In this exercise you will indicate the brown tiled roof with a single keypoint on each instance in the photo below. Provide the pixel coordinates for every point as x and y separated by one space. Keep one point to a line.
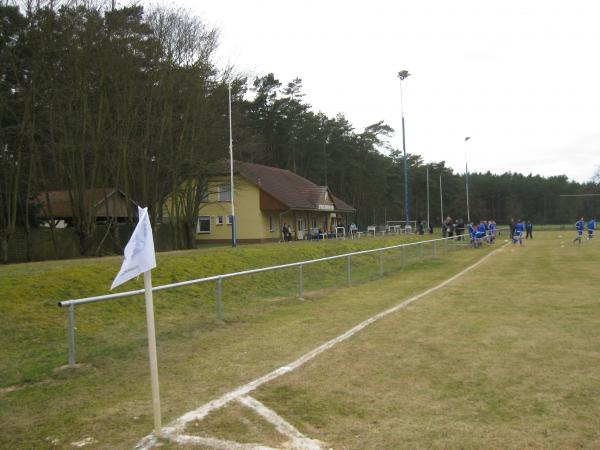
289 188
61 205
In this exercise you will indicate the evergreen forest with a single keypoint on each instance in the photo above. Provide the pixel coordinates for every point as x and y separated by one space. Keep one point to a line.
94 95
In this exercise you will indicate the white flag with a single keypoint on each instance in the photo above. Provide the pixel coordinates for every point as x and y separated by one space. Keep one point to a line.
139 251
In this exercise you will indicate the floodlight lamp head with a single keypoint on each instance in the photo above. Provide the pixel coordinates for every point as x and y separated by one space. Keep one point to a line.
403 74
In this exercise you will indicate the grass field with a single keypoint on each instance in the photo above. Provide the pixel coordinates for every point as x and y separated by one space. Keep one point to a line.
506 357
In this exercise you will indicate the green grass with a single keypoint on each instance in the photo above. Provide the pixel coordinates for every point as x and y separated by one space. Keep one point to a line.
33 329
506 357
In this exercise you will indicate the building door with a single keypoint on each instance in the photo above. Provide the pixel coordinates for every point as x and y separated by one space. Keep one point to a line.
300 228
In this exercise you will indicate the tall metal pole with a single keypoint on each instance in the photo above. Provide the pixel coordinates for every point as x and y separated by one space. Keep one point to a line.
427 197
441 201
467 181
233 231
402 75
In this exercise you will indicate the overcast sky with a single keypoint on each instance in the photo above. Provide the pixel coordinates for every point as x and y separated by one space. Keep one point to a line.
520 77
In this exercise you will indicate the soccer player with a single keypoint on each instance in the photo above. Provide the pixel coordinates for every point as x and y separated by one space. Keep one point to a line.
591 226
579 226
480 234
518 233
492 230
472 234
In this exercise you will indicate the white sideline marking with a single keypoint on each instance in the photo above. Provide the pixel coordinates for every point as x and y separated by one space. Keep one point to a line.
299 441
216 443
177 426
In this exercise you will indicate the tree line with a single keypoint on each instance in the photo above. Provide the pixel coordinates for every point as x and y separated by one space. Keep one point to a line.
93 95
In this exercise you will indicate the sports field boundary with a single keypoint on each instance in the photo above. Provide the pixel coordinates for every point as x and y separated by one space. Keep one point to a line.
174 430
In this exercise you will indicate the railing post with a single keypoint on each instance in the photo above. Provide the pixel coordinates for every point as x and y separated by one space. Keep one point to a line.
71 334
381 263
300 283
349 267
219 298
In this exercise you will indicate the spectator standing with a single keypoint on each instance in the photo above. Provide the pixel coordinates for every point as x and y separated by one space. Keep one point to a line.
284 233
528 230
449 227
460 229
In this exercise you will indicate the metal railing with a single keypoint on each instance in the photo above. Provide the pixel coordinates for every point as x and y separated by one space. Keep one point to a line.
218 279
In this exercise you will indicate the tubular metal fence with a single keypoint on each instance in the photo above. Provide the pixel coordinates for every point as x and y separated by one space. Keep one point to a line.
218 279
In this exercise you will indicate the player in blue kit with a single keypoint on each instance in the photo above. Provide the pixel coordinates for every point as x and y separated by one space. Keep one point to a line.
579 226
492 231
518 233
591 227
480 233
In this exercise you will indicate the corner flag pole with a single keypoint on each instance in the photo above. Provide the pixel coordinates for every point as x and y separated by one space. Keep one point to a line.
152 352
138 258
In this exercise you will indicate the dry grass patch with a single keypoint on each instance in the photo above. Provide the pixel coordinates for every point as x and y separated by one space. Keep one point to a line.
505 357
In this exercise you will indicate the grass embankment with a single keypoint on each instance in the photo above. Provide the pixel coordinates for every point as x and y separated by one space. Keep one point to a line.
108 397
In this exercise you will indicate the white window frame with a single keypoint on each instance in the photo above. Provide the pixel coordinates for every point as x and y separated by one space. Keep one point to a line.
205 218
229 219
271 223
223 193
219 220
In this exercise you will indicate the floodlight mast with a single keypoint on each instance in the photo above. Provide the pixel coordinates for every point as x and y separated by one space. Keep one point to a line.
402 75
233 230
467 180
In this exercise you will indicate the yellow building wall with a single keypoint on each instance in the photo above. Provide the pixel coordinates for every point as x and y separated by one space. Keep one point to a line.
251 222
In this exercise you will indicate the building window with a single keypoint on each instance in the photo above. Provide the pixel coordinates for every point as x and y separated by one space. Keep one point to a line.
229 220
219 220
223 193
271 228
204 198
203 225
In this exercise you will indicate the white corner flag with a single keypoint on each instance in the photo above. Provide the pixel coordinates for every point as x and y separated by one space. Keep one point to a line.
140 258
139 251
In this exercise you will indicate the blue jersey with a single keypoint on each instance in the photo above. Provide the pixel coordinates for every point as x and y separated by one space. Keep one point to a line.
519 228
579 225
480 230
471 231
591 225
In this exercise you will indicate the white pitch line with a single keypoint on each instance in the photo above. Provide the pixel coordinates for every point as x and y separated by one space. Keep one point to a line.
178 425
299 441
216 444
